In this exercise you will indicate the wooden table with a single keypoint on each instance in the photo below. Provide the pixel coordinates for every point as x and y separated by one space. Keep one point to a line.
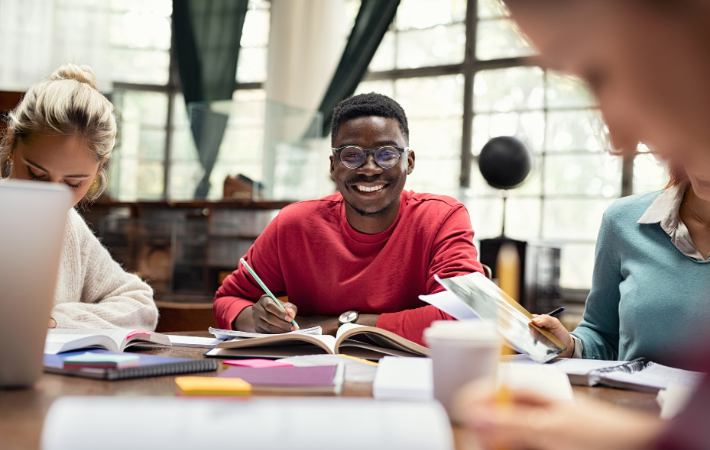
22 411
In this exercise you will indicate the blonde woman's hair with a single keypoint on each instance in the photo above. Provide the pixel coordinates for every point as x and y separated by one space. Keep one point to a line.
68 103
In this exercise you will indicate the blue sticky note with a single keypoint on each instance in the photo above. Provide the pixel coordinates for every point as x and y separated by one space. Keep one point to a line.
101 358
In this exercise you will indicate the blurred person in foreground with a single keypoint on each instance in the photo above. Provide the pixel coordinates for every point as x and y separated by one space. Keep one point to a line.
648 65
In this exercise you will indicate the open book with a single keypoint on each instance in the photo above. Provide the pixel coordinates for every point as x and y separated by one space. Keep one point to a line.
354 340
115 340
637 375
477 296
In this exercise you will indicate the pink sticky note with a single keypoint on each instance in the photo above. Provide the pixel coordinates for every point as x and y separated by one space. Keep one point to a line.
137 332
256 363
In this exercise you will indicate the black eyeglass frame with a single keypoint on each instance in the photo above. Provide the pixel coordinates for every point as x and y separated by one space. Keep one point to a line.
374 151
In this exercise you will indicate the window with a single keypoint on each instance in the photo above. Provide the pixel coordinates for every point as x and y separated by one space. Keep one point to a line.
421 64
455 105
143 97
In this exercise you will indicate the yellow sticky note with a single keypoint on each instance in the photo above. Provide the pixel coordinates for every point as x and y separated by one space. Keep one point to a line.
212 386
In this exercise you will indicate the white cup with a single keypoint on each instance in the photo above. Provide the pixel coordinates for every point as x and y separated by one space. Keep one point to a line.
462 351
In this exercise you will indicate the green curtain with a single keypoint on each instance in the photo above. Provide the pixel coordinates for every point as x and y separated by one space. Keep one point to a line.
372 22
207 34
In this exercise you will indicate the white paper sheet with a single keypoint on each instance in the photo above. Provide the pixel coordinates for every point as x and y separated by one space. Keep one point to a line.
450 304
193 341
220 333
87 423
400 378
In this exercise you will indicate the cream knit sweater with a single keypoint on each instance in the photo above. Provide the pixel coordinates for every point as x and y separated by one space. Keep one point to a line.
93 291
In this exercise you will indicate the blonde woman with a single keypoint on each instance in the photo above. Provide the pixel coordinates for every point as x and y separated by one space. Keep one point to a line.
63 131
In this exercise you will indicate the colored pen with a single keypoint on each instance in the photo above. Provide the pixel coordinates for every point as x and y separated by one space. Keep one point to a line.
263 286
557 311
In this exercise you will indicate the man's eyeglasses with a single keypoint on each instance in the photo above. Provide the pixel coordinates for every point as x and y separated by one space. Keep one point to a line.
354 157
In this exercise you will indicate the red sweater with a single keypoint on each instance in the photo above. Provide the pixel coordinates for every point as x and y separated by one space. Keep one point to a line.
312 254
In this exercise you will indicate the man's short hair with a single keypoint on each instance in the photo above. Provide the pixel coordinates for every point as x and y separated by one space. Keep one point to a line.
371 104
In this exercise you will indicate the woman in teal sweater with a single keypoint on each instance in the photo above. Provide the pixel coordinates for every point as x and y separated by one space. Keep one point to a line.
651 274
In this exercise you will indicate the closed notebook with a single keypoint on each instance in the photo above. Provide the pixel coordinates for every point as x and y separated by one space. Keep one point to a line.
148 366
297 380
210 386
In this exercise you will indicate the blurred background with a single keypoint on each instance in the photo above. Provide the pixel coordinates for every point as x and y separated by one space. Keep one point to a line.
224 109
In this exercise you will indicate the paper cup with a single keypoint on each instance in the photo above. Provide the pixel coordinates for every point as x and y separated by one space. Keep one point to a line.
461 351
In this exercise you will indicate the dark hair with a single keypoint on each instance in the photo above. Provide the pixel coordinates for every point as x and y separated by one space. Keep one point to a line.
676 174
371 104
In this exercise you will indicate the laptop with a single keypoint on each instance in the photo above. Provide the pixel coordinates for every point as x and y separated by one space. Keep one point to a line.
33 219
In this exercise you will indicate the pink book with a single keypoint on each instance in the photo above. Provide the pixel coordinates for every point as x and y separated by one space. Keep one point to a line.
256 363
311 380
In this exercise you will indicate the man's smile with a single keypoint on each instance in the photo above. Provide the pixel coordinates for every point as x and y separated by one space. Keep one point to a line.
366 188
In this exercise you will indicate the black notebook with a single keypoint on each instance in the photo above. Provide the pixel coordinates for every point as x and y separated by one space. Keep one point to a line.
148 366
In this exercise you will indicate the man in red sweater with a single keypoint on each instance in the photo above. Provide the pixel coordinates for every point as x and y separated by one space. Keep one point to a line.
363 255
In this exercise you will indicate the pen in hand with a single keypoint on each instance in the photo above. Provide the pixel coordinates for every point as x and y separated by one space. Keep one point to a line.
263 286
556 312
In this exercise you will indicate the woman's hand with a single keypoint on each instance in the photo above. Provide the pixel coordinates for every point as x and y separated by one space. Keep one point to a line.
52 323
559 330
528 420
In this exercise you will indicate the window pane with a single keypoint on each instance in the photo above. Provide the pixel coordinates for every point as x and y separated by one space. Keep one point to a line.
577 265
137 168
565 91
429 13
529 127
256 29
437 146
575 130
140 66
384 56
585 175
572 219
431 47
490 9
184 177
140 38
500 38
384 87
649 174
150 180
486 216
504 90
251 66
431 96
522 218
146 108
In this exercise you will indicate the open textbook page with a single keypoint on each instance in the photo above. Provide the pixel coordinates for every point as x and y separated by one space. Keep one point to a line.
488 301
355 340
115 340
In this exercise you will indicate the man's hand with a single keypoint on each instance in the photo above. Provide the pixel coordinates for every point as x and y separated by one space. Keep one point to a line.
266 317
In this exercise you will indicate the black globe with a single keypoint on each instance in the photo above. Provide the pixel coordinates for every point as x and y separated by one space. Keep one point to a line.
505 162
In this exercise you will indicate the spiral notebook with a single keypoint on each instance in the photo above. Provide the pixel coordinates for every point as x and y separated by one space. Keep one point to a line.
148 366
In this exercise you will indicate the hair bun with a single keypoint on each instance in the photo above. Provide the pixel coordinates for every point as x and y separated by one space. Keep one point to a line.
82 74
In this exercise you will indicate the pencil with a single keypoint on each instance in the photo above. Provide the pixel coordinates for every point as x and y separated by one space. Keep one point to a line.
263 286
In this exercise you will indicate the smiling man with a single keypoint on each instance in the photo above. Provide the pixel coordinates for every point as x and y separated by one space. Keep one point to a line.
363 255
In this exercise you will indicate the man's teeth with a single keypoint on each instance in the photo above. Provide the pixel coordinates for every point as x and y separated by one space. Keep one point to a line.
369 188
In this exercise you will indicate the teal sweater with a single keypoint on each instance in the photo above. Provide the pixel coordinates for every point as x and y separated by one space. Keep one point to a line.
647 297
